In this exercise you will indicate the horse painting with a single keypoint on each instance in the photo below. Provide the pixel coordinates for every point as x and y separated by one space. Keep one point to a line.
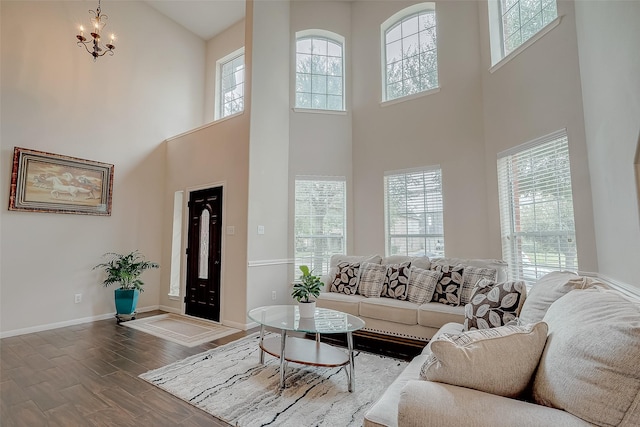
60 188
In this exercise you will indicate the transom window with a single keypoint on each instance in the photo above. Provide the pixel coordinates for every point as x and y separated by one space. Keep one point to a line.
515 24
414 219
536 208
319 71
230 93
410 52
320 222
522 19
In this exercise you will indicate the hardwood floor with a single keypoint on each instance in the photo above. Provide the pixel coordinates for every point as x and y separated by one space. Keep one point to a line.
87 375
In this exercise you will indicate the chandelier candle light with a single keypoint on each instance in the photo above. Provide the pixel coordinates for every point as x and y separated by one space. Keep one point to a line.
97 23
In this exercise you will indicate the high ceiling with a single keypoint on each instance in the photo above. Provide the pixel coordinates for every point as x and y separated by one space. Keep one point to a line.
205 18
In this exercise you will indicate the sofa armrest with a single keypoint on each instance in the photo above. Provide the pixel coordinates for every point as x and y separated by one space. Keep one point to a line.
427 403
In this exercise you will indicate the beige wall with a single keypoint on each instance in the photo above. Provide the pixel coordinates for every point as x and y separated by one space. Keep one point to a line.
218 47
269 155
444 128
532 95
608 44
117 110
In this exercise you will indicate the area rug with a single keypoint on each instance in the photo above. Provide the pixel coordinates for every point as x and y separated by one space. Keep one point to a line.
229 383
184 330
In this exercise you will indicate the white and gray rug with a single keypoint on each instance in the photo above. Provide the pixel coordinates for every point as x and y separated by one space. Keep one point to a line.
184 330
229 383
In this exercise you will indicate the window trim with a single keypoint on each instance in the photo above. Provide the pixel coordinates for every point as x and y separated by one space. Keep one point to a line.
384 27
217 113
331 36
422 169
496 42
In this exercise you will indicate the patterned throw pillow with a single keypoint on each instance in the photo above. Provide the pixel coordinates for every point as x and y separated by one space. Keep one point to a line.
346 278
499 361
371 279
471 276
494 304
450 284
422 284
396 281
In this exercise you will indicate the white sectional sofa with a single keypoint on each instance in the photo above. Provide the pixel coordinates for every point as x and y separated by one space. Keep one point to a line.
584 370
397 317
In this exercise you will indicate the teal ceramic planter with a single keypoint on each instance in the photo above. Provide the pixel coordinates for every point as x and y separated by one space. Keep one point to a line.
126 300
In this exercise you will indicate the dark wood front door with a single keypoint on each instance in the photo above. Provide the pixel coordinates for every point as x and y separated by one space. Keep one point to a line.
204 254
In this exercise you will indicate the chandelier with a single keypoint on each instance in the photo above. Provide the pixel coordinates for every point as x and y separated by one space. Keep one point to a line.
93 46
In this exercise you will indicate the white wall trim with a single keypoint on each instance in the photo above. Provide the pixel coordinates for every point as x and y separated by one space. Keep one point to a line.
169 309
267 262
199 128
72 322
625 288
237 325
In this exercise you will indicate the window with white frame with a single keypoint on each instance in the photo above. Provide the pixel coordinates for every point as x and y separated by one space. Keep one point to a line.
176 244
409 52
319 70
230 85
513 22
414 219
536 208
320 221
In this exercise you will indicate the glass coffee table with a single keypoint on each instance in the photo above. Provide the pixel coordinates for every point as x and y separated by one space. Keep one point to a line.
286 318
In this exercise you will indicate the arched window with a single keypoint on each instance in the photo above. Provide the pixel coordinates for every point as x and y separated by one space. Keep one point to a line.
409 51
319 70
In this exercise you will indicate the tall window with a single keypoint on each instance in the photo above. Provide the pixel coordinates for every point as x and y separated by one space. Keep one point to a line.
513 22
536 208
319 70
414 212
410 52
320 222
230 93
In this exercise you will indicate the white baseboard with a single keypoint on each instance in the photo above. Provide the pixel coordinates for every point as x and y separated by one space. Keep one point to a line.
72 322
237 325
169 309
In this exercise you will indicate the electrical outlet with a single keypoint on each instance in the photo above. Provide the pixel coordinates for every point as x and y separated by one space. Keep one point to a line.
78 298
273 295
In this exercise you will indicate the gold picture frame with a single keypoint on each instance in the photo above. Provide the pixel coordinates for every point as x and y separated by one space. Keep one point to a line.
47 182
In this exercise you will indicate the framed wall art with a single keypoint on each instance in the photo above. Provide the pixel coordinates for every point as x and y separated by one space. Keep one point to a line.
46 182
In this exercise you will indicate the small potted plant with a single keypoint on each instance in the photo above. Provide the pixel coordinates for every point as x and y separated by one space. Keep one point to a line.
308 286
125 270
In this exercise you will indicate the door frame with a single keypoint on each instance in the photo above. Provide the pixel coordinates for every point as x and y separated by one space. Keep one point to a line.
185 242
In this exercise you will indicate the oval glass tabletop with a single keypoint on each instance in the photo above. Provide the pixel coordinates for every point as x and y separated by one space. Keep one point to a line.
287 317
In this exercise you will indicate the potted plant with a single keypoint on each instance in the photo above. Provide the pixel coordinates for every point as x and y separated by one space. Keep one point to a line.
309 285
125 270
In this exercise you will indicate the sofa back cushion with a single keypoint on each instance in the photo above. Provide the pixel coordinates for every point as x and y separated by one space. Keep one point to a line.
546 291
590 366
416 261
498 265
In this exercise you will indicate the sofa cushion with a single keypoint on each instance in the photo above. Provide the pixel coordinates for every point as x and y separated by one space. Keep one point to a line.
422 284
341 302
435 315
471 277
494 304
416 261
389 309
372 278
590 365
450 284
346 278
396 281
544 292
499 360
498 265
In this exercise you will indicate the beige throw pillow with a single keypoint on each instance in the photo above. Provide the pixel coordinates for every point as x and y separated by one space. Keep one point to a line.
422 284
591 363
371 279
499 361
